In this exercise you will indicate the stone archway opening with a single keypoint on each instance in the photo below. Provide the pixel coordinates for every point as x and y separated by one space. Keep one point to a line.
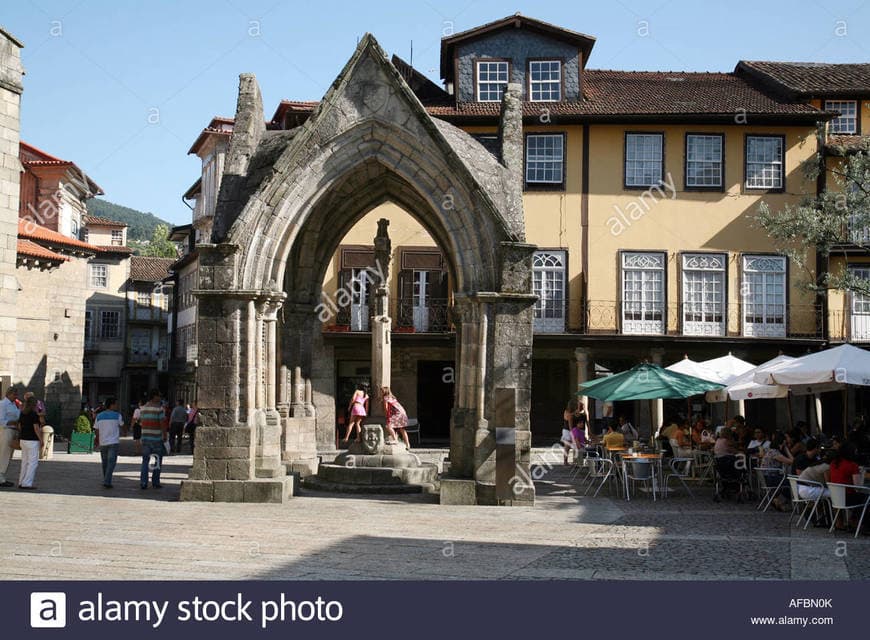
266 375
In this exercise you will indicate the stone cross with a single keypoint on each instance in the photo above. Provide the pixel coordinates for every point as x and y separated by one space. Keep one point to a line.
382 323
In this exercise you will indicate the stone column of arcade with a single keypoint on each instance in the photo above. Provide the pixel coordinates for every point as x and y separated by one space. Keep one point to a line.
375 465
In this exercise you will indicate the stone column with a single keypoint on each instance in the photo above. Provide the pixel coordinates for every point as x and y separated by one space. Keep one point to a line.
236 439
656 357
11 72
582 358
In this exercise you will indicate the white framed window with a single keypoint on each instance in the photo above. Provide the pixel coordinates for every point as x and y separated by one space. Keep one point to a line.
704 160
548 281
847 121
117 237
143 298
763 296
84 234
644 155
492 80
545 158
98 276
860 308
74 228
643 293
361 282
545 80
764 160
704 296
110 325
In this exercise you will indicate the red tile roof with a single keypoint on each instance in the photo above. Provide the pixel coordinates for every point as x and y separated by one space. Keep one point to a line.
637 94
219 125
115 249
147 269
30 230
103 222
30 249
31 156
652 93
810 79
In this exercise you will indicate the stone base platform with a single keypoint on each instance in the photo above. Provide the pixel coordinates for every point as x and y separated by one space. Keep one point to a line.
343 479
261 490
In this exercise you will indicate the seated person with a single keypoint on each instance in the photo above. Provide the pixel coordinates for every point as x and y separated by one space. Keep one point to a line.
725 445
777 457
627 430
759 441
820 473
809 457
681 445
613 438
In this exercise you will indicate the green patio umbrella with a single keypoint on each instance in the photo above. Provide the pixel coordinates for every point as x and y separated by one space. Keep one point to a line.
646 382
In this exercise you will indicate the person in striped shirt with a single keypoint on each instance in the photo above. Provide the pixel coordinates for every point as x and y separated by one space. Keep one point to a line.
154 434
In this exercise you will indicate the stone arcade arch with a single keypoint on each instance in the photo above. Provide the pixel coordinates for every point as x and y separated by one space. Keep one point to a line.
287 198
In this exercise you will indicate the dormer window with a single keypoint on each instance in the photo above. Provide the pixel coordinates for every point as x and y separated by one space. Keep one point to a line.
545 80
847 122
492 79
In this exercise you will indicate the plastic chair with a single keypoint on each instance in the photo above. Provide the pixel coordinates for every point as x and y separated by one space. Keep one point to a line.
639 471
768 492
681 468
796 500
838 503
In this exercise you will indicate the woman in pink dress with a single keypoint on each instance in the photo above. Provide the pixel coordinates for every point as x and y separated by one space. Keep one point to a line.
358 409
397 417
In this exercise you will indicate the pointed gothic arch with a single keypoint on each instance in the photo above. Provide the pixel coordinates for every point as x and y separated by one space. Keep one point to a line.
287 198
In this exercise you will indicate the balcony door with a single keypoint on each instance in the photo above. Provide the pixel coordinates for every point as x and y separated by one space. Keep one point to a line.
643 293
860 309
703 294
762 293
548 278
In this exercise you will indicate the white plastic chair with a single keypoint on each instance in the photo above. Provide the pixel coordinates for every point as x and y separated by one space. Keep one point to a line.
838 503
681 468
795 483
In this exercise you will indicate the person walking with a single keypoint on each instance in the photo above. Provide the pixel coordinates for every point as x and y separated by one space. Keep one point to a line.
30 432
177 420
358 409
193 422
152 417
108 437
9 414
397 417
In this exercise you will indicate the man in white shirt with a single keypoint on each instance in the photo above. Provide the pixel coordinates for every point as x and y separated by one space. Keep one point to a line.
108 428
759 441
9 415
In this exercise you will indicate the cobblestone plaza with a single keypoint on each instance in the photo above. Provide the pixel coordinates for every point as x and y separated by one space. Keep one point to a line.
72 528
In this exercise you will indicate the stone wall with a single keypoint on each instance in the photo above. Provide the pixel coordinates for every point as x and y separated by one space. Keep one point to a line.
50 340
10 168
518 46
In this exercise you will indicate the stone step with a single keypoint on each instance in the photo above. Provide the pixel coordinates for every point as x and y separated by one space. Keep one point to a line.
427 473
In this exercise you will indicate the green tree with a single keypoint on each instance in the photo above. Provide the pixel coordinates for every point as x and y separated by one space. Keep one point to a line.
160 246
834 218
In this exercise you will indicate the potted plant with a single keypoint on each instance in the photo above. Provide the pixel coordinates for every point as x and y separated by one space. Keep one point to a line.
81 440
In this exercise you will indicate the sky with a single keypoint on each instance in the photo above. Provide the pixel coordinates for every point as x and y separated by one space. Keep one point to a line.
123 88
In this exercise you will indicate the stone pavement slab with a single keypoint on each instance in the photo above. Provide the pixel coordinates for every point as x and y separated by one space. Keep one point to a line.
73 528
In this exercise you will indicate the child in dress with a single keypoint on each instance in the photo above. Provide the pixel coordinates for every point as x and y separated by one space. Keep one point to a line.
358 409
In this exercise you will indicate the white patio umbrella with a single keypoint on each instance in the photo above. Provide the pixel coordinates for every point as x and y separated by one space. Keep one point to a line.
697 369
843 365
728 366
744 387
